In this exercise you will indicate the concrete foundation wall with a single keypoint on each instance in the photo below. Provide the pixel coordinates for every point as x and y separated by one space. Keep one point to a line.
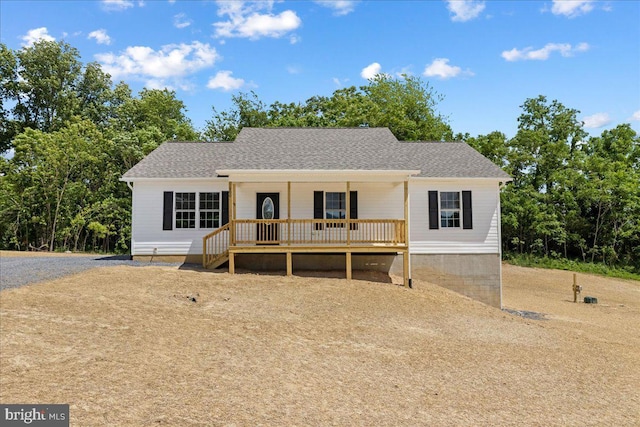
474 275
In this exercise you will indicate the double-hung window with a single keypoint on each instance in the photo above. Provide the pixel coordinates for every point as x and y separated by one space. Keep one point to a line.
185 210
203 212
335 207
450 209
209 210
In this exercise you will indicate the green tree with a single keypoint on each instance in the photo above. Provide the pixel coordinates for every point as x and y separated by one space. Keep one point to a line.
494 146
51 171
547 136
407 106
247 111
9 94
610 194
48 76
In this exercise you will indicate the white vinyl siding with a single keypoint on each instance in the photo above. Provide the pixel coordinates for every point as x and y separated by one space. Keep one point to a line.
375 200
148 237
482 239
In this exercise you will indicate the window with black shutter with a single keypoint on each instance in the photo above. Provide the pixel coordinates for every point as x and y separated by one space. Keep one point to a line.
450 209
167 211
467 213
333 205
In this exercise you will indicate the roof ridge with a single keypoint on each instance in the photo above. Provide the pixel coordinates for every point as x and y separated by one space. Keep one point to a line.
315 127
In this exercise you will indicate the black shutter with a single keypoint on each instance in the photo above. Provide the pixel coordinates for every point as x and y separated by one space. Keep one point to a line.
467 215
318 207
225 208
167 211
353 208
433 210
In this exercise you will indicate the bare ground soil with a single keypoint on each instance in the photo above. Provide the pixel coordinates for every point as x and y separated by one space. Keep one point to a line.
130 347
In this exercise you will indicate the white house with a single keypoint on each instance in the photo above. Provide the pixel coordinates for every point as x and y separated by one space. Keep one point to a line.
324 198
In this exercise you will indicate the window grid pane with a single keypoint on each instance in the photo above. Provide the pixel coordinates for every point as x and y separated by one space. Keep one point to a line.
185 210
335 207
450 209
209 210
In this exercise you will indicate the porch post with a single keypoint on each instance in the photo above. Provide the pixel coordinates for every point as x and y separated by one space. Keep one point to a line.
232 226
234 200
204 252
347 197
405 255
289 264
348 265
288 218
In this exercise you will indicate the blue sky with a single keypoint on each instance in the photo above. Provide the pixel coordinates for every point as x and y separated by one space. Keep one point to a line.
485 57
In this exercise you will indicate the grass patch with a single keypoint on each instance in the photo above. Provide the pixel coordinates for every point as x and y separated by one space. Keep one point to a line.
527 260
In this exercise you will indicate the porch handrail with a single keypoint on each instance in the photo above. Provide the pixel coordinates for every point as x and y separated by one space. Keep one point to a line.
215 245
319 231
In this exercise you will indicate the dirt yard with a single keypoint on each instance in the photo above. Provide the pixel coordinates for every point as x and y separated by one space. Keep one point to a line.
132 346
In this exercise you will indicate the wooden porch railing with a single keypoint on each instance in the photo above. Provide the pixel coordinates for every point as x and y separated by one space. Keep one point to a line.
301 232
215 246
319 232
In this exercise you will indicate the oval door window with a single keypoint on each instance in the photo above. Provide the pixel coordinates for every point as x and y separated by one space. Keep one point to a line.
267 208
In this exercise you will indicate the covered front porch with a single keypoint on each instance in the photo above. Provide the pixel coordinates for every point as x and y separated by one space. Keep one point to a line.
344 230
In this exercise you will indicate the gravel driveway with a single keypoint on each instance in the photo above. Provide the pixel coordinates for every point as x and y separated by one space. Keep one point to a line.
19 271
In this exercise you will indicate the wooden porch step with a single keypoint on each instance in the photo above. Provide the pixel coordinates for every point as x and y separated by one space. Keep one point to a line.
221 259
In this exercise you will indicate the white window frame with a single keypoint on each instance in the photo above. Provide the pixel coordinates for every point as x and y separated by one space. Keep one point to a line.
342 201
185 215
450 216
213 211
190 214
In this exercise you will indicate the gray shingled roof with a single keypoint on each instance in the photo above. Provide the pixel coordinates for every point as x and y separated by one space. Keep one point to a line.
314 148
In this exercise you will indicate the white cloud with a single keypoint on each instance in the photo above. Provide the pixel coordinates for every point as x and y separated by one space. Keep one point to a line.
340 7
582 47
116 5
101 36
404 71
180 21
293 69
340 82
246 20
440 68
35 35
174 61
571 8
223 80
370 71
542 54
597 120
465 10
294 38
635 116
158 84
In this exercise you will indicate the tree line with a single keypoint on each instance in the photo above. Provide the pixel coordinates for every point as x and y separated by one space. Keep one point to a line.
74 133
